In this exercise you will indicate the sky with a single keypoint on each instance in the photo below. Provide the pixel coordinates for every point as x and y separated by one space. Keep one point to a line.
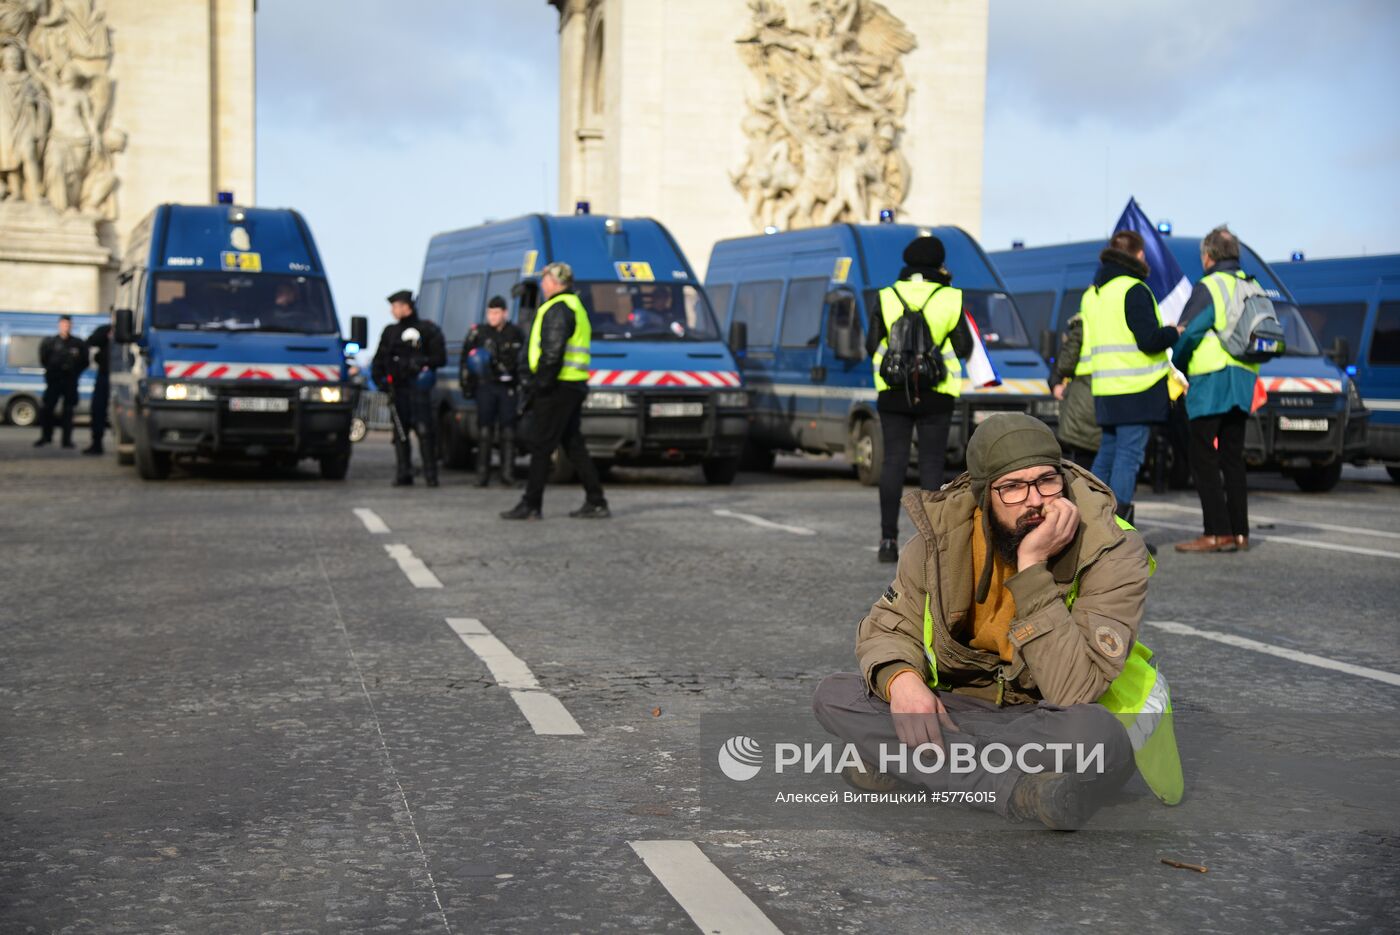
385 123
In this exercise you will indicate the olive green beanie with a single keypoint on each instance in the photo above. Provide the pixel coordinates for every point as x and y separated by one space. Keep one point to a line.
1005 442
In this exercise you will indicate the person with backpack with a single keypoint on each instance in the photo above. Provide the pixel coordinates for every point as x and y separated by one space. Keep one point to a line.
1127 345
1222 387
915 339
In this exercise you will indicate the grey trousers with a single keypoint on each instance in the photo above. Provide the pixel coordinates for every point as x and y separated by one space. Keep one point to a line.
847 709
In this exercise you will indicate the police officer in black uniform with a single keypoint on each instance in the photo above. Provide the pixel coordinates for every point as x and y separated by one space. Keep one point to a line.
405 365
100 341
64 358
490 373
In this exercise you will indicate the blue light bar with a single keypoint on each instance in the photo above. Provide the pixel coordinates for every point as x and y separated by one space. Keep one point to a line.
1164 226
1297 256
225 198
886 216
351 348
1018 245
1351 370
581 207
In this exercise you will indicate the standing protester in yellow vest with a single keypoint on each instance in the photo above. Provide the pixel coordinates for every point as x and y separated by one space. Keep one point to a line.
1219 400
1012 619
559 358
1072 384
924 286
1127 344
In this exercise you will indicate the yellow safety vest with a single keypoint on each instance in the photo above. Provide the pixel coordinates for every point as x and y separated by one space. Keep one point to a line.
941 311
1117 366
1210 354
1139 697
577 356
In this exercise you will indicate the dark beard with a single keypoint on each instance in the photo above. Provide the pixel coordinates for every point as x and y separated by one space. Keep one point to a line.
1007 540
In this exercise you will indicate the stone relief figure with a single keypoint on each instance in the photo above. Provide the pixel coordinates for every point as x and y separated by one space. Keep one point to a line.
56 96
827 97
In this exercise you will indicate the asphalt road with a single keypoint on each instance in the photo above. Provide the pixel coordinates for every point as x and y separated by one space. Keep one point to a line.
225 706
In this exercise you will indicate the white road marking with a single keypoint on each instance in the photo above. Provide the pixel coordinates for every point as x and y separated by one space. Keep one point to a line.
371 520
413 567
766 523
709 897
1254 518
546 714
1282 652
1286 540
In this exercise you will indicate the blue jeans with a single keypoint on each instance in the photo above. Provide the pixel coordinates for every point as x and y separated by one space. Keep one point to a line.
1120 455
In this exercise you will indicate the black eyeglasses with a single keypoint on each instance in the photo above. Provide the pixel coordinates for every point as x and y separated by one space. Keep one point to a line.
1017 491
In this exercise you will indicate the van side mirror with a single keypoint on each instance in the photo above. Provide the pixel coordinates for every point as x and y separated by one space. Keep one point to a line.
359 330
842 331
738 336
1047 345
1340 352
123 326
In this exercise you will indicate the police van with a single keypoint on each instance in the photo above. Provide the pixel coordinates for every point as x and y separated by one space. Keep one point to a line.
1313 421
225 342
663 388
796 305
21 373
1353 305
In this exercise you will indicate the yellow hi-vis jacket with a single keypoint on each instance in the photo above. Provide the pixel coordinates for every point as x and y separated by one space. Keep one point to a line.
1117 366
1210 354
941 306
577 354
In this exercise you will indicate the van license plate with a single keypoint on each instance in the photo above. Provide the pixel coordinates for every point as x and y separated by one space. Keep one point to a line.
259 404
676 410
1302 425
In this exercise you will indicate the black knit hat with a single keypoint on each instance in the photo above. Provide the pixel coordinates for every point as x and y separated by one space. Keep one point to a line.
1006 442
403 295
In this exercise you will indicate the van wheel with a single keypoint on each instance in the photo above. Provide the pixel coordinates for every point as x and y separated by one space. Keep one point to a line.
22 412
867 451
358 429
1319 479
126 450
151 464
335 467
1394 471
720 471
454 447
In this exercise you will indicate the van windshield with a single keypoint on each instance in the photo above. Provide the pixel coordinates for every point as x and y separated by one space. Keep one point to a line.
1297 336
647 311
996 317
242 302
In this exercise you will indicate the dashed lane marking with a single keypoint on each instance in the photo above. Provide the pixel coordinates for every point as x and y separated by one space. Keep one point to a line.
371 520
709 897
546 714
412 566
766 523
1286 540
1255 518
1282 652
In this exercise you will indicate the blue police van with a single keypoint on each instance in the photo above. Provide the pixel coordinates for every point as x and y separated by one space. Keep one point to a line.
21 374
226 342
1353 305
1314 420
664 388
796 305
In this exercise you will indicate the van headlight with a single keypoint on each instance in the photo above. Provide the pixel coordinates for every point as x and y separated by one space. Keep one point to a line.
733 399
182 392
1046 408
606 400
322 394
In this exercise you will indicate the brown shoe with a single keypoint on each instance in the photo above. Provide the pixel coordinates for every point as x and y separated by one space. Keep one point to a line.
1208 544
1242 543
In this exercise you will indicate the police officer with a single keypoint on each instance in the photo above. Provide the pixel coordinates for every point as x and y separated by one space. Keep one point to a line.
923 287
405 365
490 371
64 358
100 341
559 358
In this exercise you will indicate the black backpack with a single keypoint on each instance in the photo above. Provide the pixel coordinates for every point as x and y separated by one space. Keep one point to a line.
912 361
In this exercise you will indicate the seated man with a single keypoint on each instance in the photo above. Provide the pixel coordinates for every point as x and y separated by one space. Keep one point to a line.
1007 546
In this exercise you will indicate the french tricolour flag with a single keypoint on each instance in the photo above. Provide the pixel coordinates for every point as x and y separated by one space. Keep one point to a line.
980 372
1164 277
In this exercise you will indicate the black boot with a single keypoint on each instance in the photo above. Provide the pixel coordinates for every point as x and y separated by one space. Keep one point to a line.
889 550
485 443
522 510
403 457
427 448
508 457
591 510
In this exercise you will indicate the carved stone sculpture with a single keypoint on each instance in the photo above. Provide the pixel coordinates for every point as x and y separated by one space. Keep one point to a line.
826 106
56 96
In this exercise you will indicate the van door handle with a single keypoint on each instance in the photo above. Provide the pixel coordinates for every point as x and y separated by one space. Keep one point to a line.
818 374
